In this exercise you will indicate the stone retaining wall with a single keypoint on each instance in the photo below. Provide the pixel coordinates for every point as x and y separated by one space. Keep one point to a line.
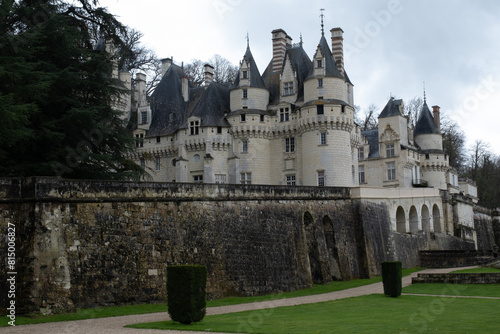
458 278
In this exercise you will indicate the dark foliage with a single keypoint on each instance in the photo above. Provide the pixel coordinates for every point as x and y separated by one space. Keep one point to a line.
392 278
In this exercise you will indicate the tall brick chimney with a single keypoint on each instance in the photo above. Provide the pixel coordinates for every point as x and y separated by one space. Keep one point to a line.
437 117
338 48
280 42
209 74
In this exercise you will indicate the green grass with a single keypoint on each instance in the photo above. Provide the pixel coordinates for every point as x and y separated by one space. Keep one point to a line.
367 314
479 270
113 311
483 290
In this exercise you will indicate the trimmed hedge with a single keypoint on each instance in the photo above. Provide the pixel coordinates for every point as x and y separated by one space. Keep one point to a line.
392 278
186 293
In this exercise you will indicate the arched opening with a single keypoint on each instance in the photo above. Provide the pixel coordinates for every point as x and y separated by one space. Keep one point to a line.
400 220
436 219
312 248
413 220
426 219
331 245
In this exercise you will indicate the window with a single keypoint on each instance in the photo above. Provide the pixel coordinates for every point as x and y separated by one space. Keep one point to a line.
143 163
139 140
321 179
361 154
320 83
157 163
245 178
244 146
220 178
219 130
320 109
284 115
194 127
245 93
198 178
243 117
144 117
361 174
290 144
196 158
158 139
288 88
262 118
427 156
391 171
245 74
322 138
290 180
389 150
319 63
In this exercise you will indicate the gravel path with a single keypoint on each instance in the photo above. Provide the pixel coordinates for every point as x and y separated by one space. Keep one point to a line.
115 325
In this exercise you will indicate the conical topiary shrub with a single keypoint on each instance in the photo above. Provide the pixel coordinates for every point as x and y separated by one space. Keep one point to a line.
392 278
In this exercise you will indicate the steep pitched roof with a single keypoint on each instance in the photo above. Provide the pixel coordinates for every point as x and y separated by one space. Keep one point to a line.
331 69
391 108
372 137
255 78
425 123
212 105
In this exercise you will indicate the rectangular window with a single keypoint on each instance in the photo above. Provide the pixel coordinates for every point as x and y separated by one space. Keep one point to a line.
361 154
143 163
320 109
389 150
245 74
290 144
139 140
244 146
245 178
198 178
391 171
284 114
219 130
320 83
158 139
361 174
322 138
243 117
321 179
288 88
194 127
262 118
290 180
220 178
157 163
144 117
245 93
319 62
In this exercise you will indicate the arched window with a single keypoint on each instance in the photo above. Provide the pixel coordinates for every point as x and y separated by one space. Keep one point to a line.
400 220
426 219
436 219
413 220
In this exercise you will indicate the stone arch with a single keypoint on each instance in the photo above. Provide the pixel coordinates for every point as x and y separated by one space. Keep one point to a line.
400 220
413 220
426 219
333 252
312 248
436 218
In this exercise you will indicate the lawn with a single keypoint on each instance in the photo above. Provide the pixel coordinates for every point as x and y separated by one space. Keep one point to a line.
367 314
483 290
479 270
152 308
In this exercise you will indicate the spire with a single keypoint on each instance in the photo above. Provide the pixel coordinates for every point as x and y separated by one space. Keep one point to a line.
301 40
248 41
322 25
425 98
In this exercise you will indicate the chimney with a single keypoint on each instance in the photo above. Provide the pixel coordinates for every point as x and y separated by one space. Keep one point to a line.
338 48
209 74
185 88
165 65
437 119
140 89
280 42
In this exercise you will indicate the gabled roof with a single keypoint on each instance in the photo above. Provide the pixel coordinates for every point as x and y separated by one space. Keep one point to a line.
255 78
212 105
425 123
391 108
331 69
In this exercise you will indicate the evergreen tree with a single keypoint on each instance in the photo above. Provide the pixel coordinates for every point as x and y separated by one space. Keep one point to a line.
56 92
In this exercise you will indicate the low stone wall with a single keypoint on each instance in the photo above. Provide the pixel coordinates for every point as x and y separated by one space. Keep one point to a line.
458 278
453 258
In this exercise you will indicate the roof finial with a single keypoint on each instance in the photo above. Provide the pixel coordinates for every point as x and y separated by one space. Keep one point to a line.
301 40
322 25
425 98
248 41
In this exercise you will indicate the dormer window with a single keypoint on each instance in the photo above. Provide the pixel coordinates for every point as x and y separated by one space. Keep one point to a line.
194 127
319 63
144 117
244 74
288 88
389 150
284 114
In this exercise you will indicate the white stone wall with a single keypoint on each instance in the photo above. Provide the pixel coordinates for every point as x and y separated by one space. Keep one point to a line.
333 88
431 141
464 214
257 98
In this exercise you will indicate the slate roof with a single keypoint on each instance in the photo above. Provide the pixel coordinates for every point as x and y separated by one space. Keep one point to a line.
255 78
372 137
212 105
391 108
425 123
331 69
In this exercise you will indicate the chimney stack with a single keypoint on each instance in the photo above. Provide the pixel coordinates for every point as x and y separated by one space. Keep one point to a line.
165 65
209 74
437 119
280 42
185 88
338 48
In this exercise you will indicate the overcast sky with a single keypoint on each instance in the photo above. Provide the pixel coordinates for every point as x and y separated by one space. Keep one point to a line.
390 46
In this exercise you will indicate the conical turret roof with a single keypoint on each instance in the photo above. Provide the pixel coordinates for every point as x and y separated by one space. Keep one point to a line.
425 123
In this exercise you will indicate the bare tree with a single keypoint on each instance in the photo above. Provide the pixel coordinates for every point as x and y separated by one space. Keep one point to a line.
224 70
195 72
453 143
413 108
369 121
